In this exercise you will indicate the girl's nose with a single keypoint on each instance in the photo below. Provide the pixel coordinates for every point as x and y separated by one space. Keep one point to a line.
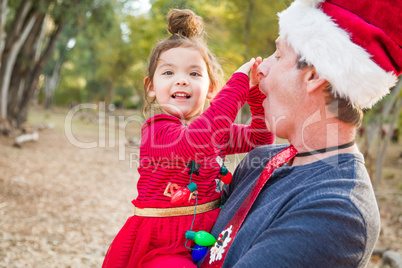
181 82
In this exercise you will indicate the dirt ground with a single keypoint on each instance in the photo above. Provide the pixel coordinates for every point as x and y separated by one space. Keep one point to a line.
62 205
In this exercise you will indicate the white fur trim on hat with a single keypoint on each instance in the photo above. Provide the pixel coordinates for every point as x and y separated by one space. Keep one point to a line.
311 3
346 66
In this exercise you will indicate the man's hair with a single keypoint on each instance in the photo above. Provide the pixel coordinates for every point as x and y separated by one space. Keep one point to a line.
342 107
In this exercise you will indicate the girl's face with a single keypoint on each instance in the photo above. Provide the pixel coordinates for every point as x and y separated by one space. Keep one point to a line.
181 83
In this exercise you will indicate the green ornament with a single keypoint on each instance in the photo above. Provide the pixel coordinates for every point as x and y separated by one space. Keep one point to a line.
224 170
201 238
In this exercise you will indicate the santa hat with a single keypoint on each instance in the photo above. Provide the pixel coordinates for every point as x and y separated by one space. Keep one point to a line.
354 44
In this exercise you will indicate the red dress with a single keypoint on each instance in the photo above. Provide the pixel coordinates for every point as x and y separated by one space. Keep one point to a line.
167 148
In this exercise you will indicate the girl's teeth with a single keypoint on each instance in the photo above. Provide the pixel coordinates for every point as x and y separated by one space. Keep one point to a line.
182 95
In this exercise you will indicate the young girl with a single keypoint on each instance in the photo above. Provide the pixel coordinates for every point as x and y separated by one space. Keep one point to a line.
185 146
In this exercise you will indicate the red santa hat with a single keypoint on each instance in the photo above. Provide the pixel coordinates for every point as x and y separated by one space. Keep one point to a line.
354 44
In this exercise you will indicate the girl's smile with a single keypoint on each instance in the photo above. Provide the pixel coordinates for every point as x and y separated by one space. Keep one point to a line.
180 96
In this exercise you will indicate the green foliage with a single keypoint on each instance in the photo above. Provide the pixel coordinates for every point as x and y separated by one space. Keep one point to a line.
225 24
133 105
100 57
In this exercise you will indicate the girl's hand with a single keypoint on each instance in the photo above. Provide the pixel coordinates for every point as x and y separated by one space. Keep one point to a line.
245 68
254 77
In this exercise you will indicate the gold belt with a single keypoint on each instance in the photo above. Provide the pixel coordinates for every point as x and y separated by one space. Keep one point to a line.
177 211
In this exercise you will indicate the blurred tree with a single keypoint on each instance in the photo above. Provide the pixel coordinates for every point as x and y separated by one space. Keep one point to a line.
102 55
30 36
377 129
144 32
53 66
236 29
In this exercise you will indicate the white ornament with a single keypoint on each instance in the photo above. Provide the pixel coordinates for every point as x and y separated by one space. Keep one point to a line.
221 243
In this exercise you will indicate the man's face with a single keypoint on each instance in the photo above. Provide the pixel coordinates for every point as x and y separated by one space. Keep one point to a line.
281 82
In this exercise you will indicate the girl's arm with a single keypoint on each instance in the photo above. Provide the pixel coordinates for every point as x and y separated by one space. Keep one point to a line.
245 138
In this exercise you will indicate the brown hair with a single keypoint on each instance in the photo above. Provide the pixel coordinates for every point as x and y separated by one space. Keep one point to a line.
344 110
186 29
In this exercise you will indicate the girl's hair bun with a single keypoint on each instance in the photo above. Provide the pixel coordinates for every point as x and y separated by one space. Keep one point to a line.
184 22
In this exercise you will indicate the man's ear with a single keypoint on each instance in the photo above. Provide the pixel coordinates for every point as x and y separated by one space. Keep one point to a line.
150 88
313 80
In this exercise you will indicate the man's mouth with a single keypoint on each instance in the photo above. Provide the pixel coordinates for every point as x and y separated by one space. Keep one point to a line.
180 96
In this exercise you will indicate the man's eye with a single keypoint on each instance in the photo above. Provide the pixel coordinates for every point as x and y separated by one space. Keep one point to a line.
276 54
195 74
168 73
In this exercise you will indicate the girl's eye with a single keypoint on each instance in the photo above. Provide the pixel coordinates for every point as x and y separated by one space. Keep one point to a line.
168 73
195 74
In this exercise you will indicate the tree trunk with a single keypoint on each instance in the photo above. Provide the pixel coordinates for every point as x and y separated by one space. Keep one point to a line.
51 83
3 14
391 110
109 94
32 82
27 48
20 28
383 144
26 62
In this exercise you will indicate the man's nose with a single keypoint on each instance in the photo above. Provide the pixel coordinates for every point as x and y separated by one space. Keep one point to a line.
264 67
